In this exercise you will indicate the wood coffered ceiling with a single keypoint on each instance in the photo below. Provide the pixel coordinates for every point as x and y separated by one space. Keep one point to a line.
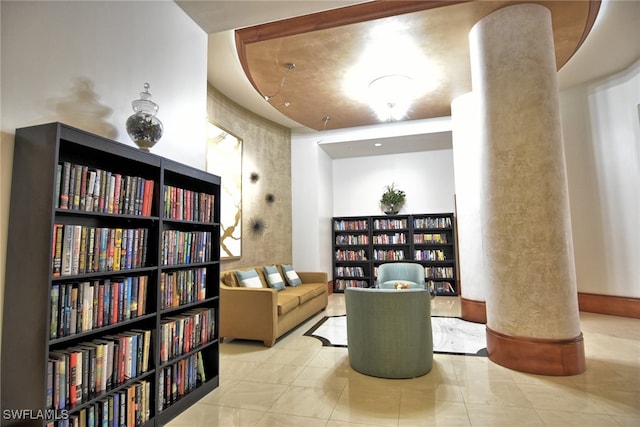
324 45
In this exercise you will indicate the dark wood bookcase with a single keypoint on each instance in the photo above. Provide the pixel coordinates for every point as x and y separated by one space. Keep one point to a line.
362 243
167 216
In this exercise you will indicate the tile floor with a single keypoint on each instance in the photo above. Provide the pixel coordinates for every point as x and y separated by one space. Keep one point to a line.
299 383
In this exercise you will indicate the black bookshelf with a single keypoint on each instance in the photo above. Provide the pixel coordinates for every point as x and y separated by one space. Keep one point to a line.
362 243
34 328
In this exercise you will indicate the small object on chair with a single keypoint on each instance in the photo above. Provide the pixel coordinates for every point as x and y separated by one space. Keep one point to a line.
402 285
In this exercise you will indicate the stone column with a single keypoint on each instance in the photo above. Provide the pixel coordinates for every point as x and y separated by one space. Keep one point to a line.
466 167
533 322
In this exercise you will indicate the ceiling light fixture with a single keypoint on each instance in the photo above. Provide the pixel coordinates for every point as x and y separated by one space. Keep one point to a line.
391 72
290 66
391 96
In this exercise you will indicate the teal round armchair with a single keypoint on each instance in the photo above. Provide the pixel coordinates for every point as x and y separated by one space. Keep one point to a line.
389 332
405 272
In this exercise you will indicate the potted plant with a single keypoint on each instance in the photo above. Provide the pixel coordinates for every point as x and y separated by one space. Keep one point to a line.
392 199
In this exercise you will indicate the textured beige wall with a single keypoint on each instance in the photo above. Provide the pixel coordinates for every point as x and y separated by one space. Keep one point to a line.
266 151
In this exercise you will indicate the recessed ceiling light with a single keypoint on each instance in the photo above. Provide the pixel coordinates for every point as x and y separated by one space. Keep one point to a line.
378 144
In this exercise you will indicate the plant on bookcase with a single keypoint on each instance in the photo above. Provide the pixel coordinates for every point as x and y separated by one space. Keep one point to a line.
392 199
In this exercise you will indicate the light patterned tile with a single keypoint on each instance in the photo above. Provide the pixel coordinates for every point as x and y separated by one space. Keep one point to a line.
307 402
419 410
576 419
280 420
496 393
503 416
369 405
625 420
247 395
274 373
560 398
329 378
202 415
336 423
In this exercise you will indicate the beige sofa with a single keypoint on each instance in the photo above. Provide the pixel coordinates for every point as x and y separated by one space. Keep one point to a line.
265 314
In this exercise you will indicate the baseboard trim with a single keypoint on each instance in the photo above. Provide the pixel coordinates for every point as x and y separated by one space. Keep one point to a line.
608 304
473 311
537 355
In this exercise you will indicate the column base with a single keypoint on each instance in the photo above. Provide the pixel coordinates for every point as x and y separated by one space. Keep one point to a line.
473 311
537 355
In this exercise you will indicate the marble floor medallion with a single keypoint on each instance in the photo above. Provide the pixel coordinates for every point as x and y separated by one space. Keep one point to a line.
451 335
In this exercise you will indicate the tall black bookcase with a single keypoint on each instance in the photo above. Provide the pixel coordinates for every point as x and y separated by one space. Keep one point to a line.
140 284
362 243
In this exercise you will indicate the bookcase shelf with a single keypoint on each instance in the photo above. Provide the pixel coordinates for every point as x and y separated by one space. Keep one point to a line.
95 228
427 239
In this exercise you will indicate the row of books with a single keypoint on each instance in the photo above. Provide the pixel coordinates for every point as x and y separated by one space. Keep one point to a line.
352 239
351 255
432 222
180 334
439 272
430 238
430 255
342 225
80 307
79 249
188 205
182 287
81 188
185 247
88 369
179 379
389 224
350 271
341 285
441 287
390 239
130 407
388 255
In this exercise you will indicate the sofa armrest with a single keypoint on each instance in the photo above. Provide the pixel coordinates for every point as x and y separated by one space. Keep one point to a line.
313 277
248 313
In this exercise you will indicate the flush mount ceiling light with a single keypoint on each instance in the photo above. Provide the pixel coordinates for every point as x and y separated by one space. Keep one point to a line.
391 73
391 96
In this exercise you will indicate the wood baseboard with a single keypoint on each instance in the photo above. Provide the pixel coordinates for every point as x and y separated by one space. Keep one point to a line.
537 355
473 311
608 304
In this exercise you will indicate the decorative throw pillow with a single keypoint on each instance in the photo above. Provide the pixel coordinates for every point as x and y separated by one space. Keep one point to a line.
249 279
291 275
274 278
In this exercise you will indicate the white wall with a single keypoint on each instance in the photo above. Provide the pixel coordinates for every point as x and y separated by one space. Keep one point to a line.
601 127
426 177
83 63
311 205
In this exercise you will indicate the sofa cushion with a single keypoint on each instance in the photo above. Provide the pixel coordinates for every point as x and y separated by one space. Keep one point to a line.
290 275
274 278
287 302
249 278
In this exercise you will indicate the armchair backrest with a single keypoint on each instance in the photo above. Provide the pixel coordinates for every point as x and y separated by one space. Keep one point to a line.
400 271
389 331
